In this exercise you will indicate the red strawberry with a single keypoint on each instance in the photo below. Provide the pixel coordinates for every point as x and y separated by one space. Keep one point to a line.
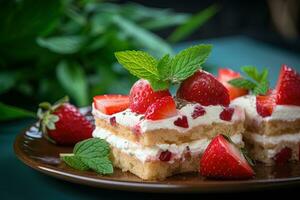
265 104
288 87
165 156
63 123
111 103
226 75
161 109
142 96
223 160
226 114
198 111
203 88
182 122
283 156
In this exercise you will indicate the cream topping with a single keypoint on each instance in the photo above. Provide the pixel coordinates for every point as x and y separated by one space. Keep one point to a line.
145 154
275 139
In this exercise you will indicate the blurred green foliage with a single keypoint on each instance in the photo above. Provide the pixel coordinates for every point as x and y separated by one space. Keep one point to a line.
52 48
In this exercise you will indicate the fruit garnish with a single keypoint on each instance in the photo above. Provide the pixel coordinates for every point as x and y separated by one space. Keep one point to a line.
226 75
288 87
198 111
165 156
226 114
266 103
90 154
113 121
142 95
137 130
111 103
62 123
167 70
203 88
283 155
223 160
257 82
161 109
181 122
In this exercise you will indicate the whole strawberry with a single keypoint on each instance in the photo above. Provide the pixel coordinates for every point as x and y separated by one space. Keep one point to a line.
63 124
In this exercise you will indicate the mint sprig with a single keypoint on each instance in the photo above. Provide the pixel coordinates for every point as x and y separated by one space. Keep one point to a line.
257 82
167 70
90 154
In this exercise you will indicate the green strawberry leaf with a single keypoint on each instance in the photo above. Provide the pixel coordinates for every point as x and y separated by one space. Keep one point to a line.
91 148
188 61
138 63
99 165
74 162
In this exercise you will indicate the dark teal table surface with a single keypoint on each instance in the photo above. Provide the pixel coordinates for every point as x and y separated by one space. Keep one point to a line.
21 182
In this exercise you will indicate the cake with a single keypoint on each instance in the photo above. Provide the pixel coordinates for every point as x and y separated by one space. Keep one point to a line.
272 121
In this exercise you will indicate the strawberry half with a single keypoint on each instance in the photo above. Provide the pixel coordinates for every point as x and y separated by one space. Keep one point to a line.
223 160
265 104
161 109
203 88
288 87
226 75
111 103
63 124
142 96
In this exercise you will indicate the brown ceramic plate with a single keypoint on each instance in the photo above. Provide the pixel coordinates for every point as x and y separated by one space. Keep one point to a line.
43 156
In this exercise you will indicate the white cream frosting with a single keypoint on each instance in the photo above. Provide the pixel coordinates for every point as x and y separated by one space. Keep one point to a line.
152 153
130 119
280 112
275 139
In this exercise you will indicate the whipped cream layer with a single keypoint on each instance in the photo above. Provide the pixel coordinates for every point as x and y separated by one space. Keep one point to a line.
212 115
280 112
265 139
145 154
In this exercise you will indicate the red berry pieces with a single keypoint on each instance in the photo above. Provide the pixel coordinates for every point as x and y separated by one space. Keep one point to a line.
113 121
181 122
288 87
142 96
161 109
198 111
265 104
283 156
165 156
223 160
203 88
111 103
226 75
137 130
226 114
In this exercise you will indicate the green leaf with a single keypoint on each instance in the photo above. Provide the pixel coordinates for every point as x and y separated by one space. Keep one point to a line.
8 112
7 81
261 89
159 85
91 148
252 72
186 62
138 63
62 44
163 67
264 76
142 36
242 83
193 23
99 165
74 162
72 78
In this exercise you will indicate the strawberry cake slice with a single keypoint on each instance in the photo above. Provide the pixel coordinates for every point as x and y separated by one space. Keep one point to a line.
273 120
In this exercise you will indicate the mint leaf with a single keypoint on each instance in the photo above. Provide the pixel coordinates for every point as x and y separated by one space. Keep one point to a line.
252 72
99 165
139 63
261 88
163 67
242 83
159 85
186 62
264 76
91 148
74 162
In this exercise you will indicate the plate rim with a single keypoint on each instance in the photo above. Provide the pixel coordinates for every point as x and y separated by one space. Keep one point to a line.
157 187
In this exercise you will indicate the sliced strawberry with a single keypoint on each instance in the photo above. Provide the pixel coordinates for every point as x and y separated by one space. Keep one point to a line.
182 122
223 160
142 96
111 103
161 109
226 75
265 104
203 88
226 114
165 156
198 112
283 156
288 87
